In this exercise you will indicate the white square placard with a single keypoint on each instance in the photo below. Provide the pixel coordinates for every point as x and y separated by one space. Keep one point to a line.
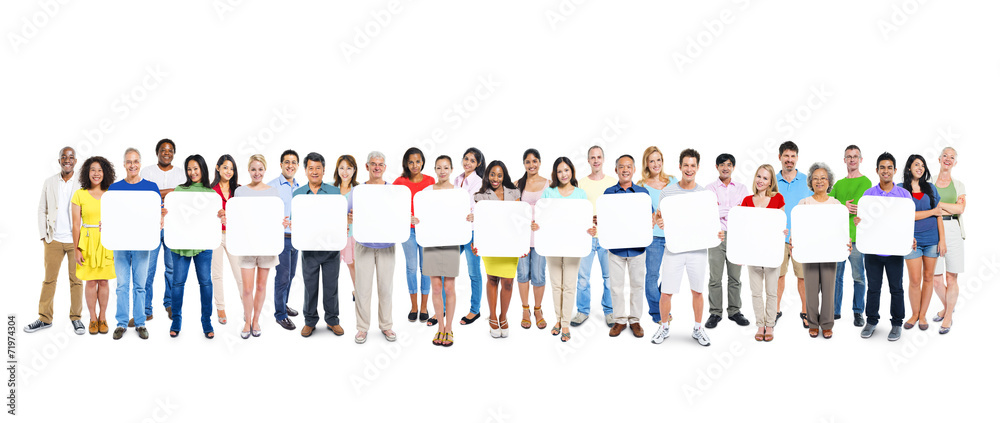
625 220
503 228
253 226
755 236
886 225
319 222
562 227
130 220
442 214
381 213
820 233
192 221
691 221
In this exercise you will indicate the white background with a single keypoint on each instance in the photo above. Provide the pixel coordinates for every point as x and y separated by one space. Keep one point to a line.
260 77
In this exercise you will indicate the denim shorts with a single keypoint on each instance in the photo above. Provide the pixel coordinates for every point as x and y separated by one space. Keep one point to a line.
923 251
531 268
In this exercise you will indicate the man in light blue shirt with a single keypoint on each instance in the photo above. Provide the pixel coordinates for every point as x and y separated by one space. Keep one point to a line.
793 186
286 186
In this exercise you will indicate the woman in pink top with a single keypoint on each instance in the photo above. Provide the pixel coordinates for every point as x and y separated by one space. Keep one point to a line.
413 164
471 180
531 269
346 179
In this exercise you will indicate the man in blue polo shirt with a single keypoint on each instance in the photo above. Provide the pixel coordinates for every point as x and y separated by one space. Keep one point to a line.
892 265
289 256
132 266
793 186
632 260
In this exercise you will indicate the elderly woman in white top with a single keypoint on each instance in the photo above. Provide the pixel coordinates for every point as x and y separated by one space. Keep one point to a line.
952 194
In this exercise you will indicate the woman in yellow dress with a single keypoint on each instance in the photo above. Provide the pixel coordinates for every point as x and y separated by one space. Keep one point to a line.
94 263
500 271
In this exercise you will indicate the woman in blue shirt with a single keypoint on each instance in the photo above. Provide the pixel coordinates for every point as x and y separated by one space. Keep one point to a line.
928 229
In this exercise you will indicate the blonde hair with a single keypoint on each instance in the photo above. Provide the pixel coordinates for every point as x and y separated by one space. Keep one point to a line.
772 189
257 158
646 174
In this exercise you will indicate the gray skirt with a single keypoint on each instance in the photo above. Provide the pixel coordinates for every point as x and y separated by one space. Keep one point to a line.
441 261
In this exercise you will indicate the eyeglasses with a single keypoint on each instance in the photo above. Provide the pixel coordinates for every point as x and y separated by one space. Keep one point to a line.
378 165
852 157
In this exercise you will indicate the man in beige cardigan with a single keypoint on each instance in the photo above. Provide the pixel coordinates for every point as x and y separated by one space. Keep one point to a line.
55 228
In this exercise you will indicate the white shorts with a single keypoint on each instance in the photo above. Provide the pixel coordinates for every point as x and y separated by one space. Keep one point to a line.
953 260
674 265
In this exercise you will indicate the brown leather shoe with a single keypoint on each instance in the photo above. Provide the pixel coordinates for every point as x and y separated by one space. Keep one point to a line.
828 333
813 332
616 329
336 329
102 326
636 329
307 330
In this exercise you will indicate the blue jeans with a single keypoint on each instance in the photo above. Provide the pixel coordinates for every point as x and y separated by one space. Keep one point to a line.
203 268
283 275
474 263
168 276
858 272
583 280
531 268
414 256
131 268
654 257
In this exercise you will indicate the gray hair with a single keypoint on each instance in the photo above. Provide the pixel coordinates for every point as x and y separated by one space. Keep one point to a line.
375 155
949 148
131 150
829 175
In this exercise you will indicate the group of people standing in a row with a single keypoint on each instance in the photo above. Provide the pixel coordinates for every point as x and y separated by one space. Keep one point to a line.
69 225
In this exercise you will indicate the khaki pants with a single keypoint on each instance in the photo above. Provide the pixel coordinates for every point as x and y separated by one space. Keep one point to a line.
562 276
54 253
820 277
764 279
636 267
378 263
217 274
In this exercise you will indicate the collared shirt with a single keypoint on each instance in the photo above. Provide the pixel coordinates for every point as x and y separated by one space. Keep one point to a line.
324 189
471 184
164 179
285 191
895 192
793 192
728 196
64 225
617 189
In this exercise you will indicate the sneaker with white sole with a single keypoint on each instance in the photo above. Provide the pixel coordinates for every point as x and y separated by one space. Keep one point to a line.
37 325
79 328
868 331
700 335
609 319
578 319
662 333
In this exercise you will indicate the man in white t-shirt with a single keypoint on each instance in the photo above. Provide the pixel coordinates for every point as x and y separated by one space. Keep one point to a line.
166 176
594 185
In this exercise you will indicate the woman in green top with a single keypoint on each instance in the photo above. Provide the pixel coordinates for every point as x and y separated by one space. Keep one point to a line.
563 270
953 203
197 181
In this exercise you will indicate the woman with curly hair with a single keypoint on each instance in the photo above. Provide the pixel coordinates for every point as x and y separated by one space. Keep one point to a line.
94 263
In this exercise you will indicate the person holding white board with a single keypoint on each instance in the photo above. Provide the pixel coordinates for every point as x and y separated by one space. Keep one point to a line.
627 260
563 270
346 179
531 270
764 279
225 183
953 202
500 271
875 264
694 263
471 180
729 194
254 269
654 179
416 281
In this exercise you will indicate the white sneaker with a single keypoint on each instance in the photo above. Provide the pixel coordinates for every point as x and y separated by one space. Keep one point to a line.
700 335
662 333
609 319
578 319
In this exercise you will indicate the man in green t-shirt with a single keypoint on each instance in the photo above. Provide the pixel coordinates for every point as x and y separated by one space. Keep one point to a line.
848 190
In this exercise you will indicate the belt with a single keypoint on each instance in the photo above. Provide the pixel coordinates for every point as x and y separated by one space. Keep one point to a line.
288 235
91 226
949 217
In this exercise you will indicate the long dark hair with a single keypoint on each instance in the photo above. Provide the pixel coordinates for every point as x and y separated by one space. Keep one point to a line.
923 182
201 163
480 161
406 156
521 183
506 177
555 176
218 178
106 167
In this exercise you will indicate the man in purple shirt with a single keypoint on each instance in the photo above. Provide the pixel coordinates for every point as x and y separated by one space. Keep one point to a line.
892 265
729 194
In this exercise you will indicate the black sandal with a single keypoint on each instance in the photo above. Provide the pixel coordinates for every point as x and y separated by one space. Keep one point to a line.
466 320
424 317
805 320
432 321
210 335
412 316
174 333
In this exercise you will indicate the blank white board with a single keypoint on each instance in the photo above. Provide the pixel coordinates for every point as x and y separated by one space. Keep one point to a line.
562 227
691 221
192 221
886 225
755 236
625 220
442 214
130 220
503 228
254 226
820 233
319 222
381 213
